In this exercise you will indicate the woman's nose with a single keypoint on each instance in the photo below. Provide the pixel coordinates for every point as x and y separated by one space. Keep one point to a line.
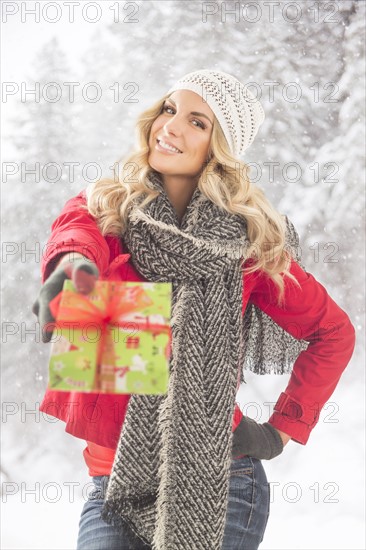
173 126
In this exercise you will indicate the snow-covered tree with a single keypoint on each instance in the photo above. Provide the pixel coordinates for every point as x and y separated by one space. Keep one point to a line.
41 132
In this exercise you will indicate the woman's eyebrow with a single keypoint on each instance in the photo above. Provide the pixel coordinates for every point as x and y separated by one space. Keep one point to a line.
192 113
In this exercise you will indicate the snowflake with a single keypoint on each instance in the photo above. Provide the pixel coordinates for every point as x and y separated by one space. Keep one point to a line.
59 365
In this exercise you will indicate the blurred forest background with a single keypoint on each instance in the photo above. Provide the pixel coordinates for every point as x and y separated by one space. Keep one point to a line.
315 143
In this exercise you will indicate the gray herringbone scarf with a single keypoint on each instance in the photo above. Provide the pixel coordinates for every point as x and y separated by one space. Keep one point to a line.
170 478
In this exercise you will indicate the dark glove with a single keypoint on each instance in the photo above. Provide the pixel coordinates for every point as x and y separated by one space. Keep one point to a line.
257 440
83 274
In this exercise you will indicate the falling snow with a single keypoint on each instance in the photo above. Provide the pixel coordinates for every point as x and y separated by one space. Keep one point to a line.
325 139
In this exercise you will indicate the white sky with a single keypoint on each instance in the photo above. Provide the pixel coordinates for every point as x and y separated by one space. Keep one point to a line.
22 38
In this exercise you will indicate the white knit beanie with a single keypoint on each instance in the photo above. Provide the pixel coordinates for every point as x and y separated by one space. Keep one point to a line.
237 110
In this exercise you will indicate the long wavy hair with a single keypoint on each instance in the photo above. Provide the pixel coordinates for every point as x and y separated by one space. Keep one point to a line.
224 180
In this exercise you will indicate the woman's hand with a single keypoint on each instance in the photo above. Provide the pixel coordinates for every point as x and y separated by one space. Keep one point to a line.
262 441
83 274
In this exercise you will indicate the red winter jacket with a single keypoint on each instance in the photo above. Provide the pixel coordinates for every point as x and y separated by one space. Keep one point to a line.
310 314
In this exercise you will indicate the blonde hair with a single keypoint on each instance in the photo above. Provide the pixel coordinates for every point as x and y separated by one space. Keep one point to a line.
224 180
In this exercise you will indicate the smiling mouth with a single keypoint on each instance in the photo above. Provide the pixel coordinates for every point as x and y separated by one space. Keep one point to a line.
166 147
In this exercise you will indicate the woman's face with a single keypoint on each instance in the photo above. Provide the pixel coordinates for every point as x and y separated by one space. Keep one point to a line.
180 136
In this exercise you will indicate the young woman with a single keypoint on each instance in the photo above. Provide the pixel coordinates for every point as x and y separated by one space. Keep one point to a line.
183 470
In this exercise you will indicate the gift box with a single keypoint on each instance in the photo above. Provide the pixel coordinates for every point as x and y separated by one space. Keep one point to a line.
116 339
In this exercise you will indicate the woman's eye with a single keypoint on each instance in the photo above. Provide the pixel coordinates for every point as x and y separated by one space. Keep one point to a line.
199 123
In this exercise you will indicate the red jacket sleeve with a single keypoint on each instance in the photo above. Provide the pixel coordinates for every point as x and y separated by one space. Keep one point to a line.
308 313
75 230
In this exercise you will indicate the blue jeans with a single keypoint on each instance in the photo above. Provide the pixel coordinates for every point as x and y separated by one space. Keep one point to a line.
246 518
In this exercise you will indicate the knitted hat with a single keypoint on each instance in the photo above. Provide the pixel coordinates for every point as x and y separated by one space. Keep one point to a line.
237 110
